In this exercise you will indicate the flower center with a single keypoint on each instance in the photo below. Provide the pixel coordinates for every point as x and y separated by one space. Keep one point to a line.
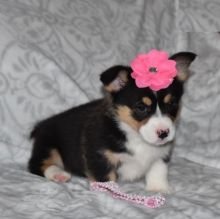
153 70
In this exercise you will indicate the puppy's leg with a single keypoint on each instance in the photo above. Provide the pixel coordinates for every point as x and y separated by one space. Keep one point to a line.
157 178
52 168
99 168
111 175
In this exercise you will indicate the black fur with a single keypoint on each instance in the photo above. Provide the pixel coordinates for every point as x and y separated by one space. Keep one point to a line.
80 132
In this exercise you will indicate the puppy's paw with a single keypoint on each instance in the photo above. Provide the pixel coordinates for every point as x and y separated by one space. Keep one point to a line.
159 188
56 174
129 172
61 177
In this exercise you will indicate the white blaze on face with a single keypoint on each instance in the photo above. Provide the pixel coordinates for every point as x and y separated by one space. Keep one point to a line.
157 124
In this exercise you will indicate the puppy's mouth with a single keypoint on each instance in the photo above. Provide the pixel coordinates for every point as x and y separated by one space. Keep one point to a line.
159 142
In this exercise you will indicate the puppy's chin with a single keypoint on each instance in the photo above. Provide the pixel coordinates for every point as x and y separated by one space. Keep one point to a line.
158 143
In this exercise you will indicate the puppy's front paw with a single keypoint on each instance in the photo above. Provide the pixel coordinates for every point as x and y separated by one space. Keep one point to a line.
159 188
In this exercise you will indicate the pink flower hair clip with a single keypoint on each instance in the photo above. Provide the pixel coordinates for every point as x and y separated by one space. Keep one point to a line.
154 70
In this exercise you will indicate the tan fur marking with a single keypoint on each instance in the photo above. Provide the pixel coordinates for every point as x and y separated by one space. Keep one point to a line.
112 176
182 76
113 87
147 101
110 88
124 114
178 113
183 69
53 159
167 98
112 157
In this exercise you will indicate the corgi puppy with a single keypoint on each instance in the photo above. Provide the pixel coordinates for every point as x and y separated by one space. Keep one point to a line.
124 135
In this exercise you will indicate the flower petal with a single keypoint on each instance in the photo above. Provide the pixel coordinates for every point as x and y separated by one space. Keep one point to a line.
157 56
141 83
161 84
168 68
139 66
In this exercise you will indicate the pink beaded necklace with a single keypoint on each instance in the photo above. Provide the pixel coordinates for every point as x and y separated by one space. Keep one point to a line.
113 189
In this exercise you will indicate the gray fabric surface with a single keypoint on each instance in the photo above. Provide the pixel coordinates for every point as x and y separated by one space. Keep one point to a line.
52 53
25 196
198 137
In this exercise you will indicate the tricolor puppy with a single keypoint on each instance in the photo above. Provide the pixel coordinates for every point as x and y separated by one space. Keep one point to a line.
125 135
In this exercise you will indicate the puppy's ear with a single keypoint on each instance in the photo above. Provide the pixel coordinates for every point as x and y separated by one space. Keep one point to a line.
183 61
115 78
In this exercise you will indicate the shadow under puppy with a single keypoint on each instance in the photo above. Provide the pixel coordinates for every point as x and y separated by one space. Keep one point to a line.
126 134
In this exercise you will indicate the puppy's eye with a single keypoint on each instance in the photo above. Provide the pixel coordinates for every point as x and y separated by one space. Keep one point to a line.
141 108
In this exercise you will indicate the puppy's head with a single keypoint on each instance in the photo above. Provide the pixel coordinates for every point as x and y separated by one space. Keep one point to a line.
152 114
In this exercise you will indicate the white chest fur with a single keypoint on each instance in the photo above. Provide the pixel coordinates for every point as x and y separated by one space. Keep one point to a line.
143 155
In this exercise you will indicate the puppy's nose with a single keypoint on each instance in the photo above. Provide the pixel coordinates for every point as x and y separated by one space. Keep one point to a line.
163 133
